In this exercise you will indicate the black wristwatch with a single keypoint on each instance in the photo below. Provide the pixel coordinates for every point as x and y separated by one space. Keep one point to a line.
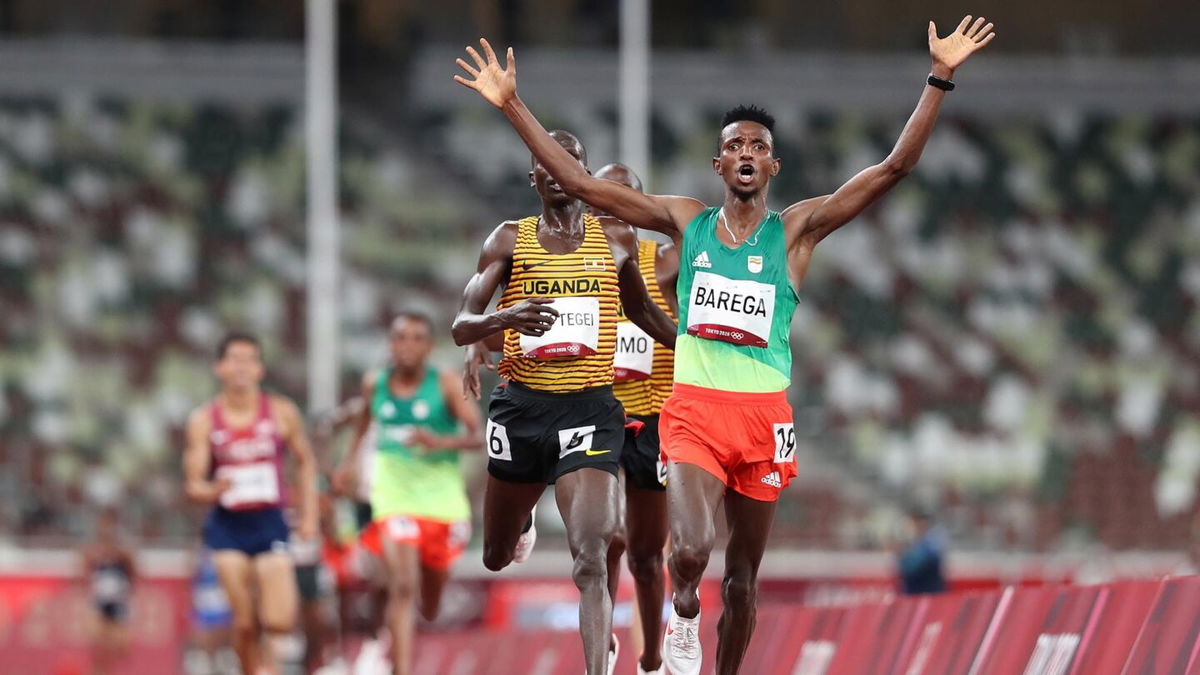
935 81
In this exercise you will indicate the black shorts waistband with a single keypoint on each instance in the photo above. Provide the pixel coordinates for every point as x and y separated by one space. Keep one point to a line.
593 394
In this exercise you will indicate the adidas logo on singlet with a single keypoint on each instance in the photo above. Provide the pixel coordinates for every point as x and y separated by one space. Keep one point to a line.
773 479
702 260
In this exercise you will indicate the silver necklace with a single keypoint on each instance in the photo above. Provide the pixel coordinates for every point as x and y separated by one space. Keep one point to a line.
725 221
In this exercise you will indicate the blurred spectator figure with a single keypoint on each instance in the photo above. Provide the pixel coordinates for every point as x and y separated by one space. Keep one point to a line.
920 563
107 566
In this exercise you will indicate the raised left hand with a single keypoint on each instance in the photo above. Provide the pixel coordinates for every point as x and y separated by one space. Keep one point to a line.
951 51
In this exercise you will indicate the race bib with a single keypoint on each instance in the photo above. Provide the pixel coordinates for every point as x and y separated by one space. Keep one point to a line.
634 359
252 485
576 331
731 310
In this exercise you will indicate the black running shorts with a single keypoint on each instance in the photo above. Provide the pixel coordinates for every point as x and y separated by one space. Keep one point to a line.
535 436
643 463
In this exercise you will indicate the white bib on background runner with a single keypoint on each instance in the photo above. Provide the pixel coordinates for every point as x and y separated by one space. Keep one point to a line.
576 331
731 310
634 358
256 483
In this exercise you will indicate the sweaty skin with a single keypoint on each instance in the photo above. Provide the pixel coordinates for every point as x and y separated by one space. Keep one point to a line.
587 498
745 162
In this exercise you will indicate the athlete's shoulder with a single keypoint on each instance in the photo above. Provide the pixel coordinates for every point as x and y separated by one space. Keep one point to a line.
283 409
201 417
371 377
503 239
683 210
618 231
450 383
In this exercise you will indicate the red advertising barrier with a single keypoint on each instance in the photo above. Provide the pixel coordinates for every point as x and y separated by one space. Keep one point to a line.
44 626
1169 640
1127 628
1106 644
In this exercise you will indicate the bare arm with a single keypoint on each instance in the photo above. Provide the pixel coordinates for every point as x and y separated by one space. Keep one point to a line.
635 300
327 428
197 462
465 411
473 323
306 466
814 219
666 272
498 86
345 476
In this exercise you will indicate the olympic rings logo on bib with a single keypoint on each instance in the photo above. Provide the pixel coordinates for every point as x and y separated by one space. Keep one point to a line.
731 310
575 333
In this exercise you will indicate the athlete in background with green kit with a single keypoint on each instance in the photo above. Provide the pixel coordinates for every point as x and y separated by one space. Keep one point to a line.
421 516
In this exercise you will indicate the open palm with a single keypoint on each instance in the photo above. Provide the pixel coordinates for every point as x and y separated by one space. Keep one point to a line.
495 84
953 49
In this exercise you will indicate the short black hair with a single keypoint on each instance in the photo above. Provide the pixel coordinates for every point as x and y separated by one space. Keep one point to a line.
561 135
234 337
414 315
616 167
749 113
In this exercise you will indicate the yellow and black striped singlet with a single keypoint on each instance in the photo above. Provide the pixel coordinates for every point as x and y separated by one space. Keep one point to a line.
646 397
588 271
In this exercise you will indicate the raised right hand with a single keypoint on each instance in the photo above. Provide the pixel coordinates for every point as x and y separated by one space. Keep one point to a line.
495 84
533 317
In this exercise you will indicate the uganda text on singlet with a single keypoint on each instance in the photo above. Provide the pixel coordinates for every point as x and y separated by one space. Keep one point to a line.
577 352
735 308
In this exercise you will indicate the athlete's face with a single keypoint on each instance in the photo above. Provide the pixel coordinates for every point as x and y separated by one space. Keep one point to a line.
241 366
548 189
410 343
746 159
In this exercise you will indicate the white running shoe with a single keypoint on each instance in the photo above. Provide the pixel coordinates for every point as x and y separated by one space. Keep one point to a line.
526 541
681 645
372 658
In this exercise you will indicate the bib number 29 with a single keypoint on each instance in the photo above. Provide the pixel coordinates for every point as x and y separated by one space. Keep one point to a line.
497 442
785 443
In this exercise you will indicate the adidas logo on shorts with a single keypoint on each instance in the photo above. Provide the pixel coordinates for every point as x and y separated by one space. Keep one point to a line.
773 479
702 260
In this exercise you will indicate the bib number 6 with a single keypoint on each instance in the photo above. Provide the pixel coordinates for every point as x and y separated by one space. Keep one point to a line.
785 443
497 442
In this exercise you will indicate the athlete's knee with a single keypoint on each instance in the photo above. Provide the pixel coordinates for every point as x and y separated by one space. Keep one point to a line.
689 560
279 625
401 588
590 568
646 566
739 590
244 629
616 546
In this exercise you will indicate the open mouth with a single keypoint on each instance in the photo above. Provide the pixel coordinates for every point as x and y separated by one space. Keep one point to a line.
553 186
745 173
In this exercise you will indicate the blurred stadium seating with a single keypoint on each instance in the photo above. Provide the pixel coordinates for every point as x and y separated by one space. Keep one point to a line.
1009 337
